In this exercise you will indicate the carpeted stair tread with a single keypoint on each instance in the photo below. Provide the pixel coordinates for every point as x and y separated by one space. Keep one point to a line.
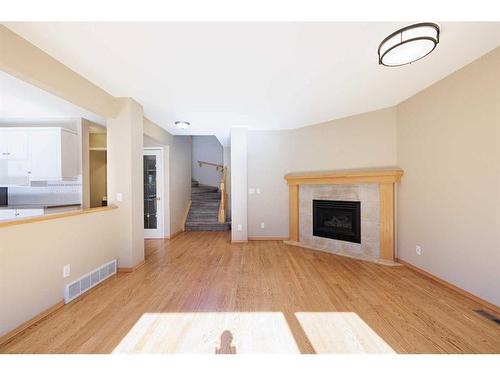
204 212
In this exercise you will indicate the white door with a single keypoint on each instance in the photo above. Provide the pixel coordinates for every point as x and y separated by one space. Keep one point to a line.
153 193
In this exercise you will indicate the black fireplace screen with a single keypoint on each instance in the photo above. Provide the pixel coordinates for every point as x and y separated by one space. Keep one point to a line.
340 220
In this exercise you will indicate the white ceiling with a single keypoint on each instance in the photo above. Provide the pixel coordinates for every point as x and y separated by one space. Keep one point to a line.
21 102
256 75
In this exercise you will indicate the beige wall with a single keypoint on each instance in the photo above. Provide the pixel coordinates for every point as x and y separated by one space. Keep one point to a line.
367 140
449 197
125 177
23 60
97 178
179 181
32 257
206 148
156 133
227 165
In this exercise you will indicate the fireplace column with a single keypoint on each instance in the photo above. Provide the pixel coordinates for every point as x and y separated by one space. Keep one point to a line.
294 212
386 192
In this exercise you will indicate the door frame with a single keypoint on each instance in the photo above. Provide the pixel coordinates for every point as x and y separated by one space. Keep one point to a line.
160 190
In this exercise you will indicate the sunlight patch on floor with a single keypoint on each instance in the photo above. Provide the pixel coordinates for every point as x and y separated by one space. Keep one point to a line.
340 333
210 333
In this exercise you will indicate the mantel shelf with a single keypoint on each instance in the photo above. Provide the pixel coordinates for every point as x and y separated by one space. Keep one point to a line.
346 176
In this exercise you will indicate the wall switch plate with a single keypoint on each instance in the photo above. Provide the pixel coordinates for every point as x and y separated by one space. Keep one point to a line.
262 225
418 250
257 191
240 227
119 197
66 270
251 191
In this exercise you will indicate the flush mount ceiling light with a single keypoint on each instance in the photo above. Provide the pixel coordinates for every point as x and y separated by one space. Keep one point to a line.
182 124
409 44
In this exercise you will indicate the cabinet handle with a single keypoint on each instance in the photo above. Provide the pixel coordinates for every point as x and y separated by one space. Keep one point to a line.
5 153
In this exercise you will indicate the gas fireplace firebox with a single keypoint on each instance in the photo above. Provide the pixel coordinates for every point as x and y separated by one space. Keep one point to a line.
340 220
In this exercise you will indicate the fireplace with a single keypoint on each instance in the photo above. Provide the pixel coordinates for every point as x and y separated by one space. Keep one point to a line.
340 220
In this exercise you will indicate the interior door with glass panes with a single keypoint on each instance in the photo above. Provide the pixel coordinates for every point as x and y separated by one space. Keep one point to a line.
153 189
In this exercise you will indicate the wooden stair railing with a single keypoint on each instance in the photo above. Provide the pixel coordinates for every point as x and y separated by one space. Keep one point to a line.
218 167
223 196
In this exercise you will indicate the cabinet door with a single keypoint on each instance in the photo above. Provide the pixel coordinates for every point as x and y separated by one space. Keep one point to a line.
45 150
13 144
3 144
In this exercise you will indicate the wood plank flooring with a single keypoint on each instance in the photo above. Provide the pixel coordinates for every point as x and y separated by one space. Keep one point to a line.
202 272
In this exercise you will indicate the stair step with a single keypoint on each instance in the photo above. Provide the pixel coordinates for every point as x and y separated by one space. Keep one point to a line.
194 218
204 212
208 227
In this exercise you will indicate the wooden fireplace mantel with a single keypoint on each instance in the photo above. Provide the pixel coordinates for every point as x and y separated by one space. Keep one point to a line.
386 178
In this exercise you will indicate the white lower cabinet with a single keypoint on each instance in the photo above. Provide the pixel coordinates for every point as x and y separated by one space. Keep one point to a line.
27 212
7 214
11 213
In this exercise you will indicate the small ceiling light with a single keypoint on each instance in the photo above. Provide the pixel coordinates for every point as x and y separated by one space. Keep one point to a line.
182 124
409 44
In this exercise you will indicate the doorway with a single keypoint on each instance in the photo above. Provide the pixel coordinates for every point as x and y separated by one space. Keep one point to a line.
153 192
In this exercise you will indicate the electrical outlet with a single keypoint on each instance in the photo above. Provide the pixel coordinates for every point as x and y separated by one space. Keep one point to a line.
119 197
66 270
251 191
240 227
262 225
257 191
418 250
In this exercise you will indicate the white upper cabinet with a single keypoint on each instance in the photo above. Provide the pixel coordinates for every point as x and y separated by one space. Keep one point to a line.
13 144
39 153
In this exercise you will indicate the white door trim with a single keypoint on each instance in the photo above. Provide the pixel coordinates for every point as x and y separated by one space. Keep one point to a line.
159 231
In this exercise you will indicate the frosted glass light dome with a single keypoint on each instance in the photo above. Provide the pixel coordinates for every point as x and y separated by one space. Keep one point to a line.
408 44
182 124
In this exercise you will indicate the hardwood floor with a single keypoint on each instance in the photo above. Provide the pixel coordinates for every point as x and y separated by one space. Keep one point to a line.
204 272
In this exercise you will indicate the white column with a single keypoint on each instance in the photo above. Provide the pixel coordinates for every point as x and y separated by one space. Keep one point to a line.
239 217
125 178
227 164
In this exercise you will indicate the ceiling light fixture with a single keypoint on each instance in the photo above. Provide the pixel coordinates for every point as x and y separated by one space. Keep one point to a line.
182 124
409 44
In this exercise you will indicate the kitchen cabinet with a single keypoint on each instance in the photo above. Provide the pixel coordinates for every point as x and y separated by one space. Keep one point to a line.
27 212
7 214
35 154
13 144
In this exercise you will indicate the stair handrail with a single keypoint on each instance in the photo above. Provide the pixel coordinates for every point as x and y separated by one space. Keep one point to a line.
218 167
223 196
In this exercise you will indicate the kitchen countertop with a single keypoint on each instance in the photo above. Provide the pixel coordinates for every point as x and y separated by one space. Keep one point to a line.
51 215
47 209
39 206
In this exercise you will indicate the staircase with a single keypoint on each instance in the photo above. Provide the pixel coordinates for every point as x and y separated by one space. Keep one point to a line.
203 214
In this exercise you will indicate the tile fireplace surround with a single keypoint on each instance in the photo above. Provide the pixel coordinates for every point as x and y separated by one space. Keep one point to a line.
374 188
